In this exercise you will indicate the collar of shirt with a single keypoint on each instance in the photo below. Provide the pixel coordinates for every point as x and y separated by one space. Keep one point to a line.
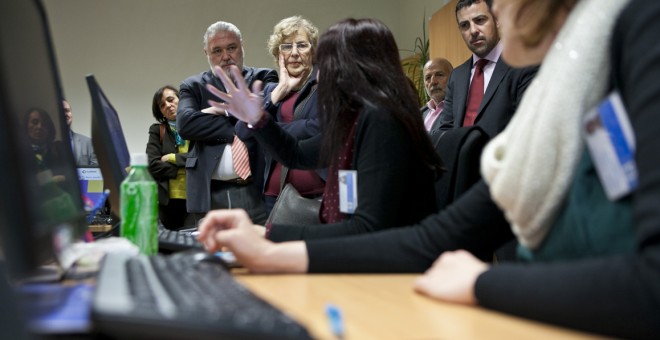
433 106
492 57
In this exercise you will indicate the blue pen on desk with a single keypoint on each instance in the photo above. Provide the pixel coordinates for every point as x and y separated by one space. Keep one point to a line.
336 320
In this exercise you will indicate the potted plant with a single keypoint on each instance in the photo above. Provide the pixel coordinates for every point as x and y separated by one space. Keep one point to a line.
414 65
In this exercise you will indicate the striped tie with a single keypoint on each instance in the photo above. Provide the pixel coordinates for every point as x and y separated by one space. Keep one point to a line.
240 158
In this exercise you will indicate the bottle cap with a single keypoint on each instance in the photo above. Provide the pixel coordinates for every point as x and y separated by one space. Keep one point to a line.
139 158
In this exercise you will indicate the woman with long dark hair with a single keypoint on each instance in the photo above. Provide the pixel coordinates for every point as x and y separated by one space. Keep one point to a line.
371 135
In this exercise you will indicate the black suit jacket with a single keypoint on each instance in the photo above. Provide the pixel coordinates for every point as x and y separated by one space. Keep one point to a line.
209 133
424 110
501 99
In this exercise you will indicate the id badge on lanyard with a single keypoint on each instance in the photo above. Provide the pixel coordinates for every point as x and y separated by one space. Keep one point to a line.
611 143
348 197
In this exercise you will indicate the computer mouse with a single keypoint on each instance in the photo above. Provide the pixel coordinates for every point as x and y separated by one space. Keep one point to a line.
225 259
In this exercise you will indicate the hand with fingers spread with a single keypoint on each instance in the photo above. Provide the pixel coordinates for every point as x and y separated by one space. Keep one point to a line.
238 100
234 230
452 277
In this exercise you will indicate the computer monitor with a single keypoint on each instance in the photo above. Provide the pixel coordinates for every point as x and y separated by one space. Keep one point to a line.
41 210
91 185
109 142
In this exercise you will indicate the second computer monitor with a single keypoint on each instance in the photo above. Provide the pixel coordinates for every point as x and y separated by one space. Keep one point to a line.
109 142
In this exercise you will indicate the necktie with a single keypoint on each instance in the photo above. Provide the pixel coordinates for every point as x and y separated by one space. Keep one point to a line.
476 93
239 156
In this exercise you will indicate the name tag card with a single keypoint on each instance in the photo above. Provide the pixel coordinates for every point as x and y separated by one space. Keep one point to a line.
611 143
348 197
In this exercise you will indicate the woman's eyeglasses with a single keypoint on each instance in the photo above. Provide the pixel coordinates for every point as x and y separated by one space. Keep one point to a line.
301 47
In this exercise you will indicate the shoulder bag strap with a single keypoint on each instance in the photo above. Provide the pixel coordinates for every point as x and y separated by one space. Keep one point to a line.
162 132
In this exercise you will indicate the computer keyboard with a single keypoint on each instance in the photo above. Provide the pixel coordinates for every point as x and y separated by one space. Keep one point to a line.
180 297
171 240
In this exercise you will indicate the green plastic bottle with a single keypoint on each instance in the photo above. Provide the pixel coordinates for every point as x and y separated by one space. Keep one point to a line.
139 206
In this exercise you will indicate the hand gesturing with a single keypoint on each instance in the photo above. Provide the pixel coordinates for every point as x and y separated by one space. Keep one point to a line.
238 101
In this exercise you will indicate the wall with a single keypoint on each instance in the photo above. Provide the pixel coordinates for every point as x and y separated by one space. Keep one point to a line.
446 40
135 46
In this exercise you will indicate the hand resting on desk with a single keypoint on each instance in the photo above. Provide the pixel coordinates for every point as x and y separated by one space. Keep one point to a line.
452 277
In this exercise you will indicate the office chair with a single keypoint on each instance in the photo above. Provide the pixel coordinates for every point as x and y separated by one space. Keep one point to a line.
460 151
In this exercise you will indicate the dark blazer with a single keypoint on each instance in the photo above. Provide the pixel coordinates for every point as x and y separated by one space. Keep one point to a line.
425 111
209 133
161 171
500 101
306 126
83 152
394 187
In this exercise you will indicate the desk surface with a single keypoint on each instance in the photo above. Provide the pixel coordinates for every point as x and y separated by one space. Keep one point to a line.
386 307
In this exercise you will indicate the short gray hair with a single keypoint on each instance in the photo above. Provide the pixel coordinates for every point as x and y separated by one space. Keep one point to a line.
221 26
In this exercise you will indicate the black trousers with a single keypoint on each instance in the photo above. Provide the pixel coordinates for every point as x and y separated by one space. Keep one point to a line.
174 216
231 195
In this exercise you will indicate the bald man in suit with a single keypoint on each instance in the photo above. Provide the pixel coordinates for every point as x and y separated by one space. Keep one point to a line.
436 74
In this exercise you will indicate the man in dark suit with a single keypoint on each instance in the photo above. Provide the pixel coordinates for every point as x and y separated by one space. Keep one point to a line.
436 73
212 181
503 86
83 152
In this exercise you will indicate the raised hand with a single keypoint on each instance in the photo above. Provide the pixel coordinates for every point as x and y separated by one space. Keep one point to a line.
286 84
238 100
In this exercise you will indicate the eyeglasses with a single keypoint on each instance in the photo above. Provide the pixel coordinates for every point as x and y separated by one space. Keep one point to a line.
301 47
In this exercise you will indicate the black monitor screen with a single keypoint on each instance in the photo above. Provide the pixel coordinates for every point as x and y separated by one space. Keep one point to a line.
41 209
109 142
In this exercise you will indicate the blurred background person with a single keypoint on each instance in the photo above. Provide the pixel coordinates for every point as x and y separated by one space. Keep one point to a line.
83 151
436 73
292 102
40 129
167 153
